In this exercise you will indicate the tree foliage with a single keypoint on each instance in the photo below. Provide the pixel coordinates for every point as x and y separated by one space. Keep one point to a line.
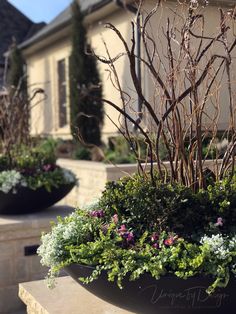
16 74
85 88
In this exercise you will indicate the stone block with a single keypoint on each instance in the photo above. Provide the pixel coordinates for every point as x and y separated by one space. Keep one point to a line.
67 298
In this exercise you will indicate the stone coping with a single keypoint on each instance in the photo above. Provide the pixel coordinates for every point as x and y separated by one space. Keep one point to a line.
97 166
11 224
67 298
119 167
7 221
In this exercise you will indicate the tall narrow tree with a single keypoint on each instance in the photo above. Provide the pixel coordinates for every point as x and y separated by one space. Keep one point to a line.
14 104
16 77
85 86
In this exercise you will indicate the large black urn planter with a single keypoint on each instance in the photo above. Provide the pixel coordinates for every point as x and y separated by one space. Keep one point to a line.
169 295
27 201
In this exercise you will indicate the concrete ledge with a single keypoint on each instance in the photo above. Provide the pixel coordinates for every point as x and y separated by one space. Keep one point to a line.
67 298
11 227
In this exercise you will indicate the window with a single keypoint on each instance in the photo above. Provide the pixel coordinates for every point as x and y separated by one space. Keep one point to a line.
62 93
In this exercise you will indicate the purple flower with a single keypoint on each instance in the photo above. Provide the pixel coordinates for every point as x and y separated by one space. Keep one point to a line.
156 246
122 230
97 213
219 222
48 167
130 237
154 237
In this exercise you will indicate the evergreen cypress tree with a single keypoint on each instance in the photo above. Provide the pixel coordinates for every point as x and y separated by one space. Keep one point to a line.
16 74
86 111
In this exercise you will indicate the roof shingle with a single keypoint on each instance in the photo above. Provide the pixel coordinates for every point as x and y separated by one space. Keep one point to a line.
14 24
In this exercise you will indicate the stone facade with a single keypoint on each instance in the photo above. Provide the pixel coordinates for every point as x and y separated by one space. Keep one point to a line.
17 233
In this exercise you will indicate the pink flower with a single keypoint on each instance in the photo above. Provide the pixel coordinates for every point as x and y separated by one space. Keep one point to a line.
122 230
115 219
156 246
97 213
47 167
130 237
170 241
154 237
219 222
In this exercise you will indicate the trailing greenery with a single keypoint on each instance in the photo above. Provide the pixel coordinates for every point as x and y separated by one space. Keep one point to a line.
85 86
136 228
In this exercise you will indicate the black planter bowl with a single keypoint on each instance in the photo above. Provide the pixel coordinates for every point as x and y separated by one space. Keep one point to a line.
27 201
168 295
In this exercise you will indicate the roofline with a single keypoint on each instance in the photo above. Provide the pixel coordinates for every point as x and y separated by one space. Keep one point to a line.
28 42
96 7
90 10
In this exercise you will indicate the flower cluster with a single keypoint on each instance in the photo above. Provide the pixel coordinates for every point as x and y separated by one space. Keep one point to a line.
68 176
218 245
10 180
126 235
97 213
168 240
123 233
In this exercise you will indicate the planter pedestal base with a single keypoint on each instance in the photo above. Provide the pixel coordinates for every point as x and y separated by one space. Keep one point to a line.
67 298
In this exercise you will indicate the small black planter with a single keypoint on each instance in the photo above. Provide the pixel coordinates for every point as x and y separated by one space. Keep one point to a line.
27 201
169 295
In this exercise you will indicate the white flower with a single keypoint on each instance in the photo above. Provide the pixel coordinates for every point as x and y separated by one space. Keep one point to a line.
68 176
218 245
10 179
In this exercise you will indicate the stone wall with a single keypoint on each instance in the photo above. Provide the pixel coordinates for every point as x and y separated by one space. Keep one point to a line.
19 234
92 179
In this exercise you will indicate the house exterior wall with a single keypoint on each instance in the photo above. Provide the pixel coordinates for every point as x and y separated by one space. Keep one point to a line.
42 70
220 96
98 36
42 73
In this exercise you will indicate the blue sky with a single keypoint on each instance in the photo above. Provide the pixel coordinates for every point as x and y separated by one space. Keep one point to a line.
40 10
